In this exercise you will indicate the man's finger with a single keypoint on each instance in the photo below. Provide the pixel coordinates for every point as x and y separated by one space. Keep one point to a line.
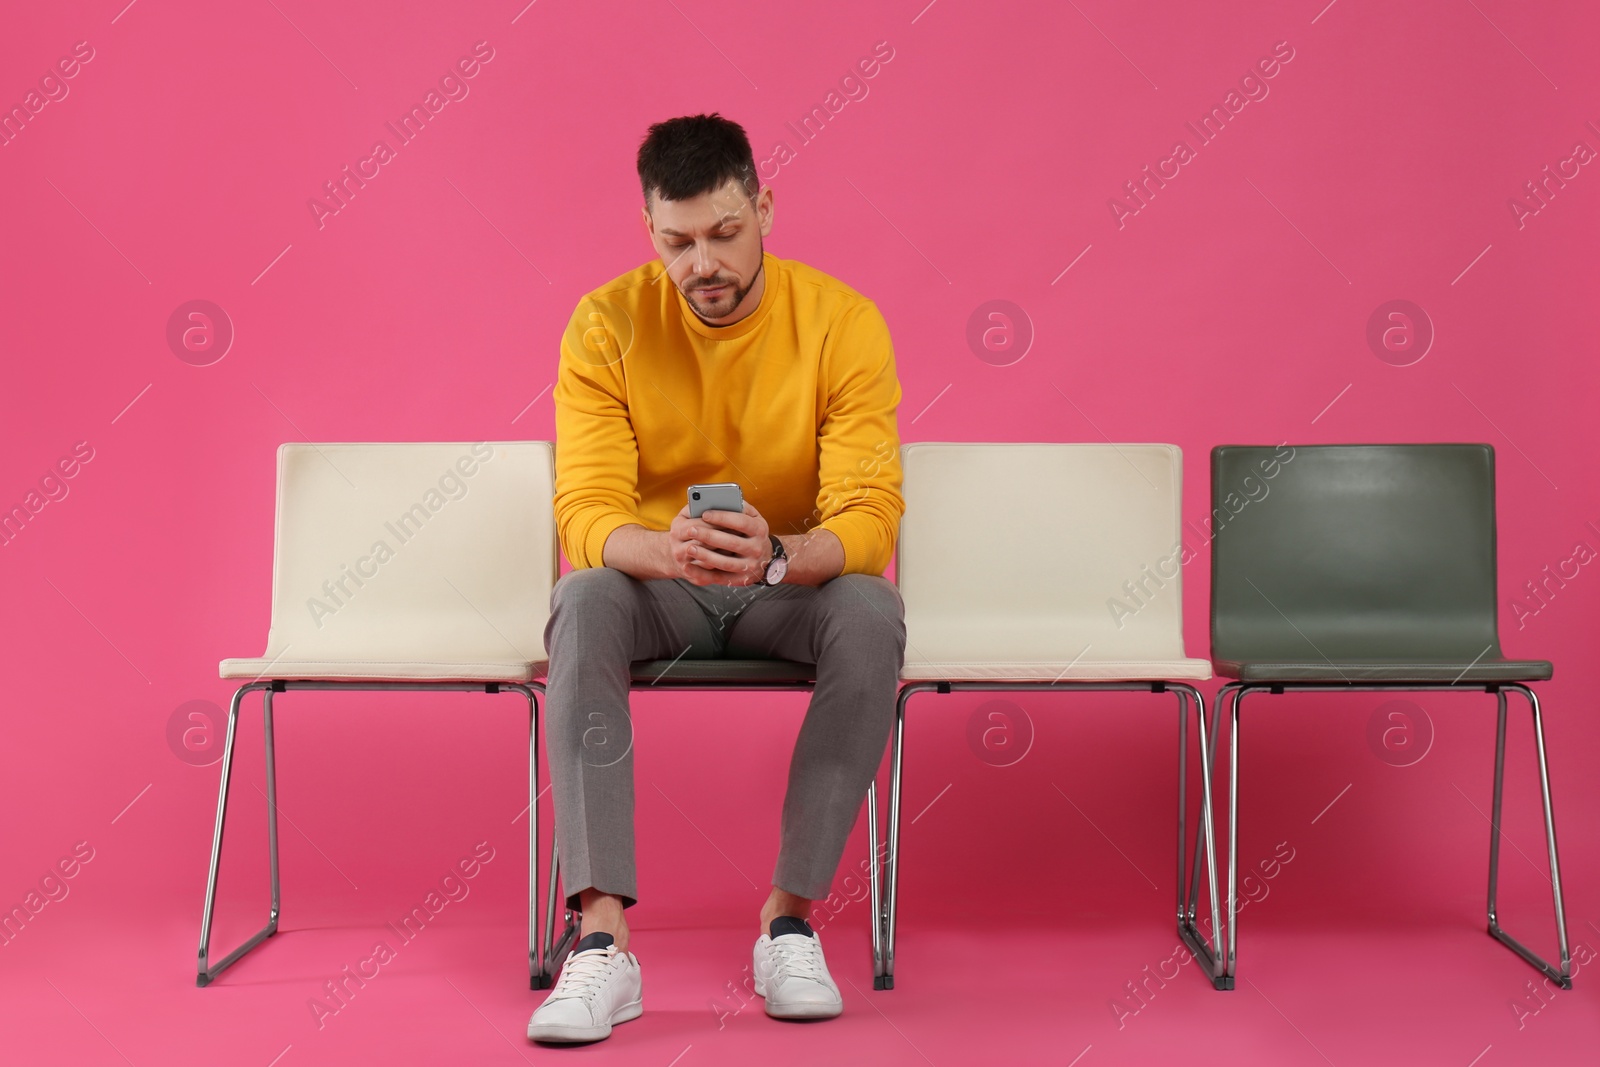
717 537
707 575
721 561
738 520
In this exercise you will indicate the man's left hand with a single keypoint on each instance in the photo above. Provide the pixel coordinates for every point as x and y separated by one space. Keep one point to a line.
730 548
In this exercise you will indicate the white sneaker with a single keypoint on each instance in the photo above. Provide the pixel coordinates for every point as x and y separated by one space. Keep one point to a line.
791 973
599 987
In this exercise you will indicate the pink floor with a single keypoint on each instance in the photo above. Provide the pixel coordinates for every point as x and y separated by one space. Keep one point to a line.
1037 989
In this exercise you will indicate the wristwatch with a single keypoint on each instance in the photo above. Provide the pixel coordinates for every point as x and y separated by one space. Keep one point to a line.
776 566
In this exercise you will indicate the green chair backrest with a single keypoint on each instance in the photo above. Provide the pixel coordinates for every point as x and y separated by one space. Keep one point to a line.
1353 553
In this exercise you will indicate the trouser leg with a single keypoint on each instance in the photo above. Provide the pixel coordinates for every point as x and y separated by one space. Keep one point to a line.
601 620
853 629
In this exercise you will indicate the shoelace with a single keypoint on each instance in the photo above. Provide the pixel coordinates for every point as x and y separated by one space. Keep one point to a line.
798 956
584 973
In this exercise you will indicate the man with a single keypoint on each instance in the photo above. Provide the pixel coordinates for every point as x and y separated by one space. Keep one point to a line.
719 363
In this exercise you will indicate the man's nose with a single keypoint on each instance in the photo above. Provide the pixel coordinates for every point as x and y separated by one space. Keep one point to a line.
705 264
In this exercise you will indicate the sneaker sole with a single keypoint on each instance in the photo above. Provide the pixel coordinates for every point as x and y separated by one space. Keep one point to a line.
805 1011
573 1034
798 1011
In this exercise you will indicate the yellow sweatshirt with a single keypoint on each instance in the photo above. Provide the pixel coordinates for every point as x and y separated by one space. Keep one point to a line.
795 402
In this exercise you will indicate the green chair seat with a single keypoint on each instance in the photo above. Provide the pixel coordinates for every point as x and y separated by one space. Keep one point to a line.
1388 670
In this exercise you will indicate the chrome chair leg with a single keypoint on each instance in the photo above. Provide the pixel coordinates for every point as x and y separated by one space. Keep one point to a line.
555 949
875 896
1224 960
1183 806
272 807
541 964
1189 883
207 972
1561 976
1495 804
1191 880
550 906
1231 959
537 979
1209 748
885 980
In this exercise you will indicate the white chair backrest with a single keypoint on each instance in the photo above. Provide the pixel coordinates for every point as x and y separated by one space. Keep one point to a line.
1041 552
392 552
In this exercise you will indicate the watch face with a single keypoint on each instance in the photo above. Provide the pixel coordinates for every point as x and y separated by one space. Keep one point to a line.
776 570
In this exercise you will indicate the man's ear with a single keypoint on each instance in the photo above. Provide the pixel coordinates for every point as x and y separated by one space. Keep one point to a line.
764 210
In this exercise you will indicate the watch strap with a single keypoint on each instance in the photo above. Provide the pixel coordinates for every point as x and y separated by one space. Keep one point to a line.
777 553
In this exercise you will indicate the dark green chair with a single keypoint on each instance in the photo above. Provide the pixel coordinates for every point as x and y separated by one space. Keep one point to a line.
1365 568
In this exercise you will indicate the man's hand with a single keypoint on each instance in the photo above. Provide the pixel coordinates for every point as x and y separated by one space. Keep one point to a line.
720 547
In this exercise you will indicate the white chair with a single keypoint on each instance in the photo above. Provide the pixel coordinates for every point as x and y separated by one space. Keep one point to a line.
402 567
1011 559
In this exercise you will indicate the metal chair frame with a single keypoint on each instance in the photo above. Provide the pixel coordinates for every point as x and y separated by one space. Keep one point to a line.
542 958
1188 887
1234 693
208 971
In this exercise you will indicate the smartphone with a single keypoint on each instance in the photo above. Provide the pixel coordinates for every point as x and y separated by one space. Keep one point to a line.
717 496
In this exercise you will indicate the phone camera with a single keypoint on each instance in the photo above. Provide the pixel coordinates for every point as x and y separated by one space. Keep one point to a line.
697 496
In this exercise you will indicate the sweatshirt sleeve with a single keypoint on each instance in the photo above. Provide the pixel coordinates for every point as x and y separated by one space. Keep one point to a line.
597 455
859 442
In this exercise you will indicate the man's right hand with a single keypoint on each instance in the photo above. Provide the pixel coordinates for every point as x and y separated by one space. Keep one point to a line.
646 554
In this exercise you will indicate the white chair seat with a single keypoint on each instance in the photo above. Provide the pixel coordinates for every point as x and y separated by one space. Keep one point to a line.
409 670
1062 671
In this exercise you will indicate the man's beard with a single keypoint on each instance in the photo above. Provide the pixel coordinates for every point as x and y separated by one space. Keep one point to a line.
737 295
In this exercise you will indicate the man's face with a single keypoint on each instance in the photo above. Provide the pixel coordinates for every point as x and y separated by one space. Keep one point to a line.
711 246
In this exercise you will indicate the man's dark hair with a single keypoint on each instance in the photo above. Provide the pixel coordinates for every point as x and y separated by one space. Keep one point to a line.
684 157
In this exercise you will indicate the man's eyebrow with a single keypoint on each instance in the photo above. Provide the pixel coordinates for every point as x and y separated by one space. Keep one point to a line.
723 224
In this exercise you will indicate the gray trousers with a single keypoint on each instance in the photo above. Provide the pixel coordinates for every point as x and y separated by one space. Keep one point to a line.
601 620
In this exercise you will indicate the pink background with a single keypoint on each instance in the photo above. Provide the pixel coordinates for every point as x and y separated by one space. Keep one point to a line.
1231 308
